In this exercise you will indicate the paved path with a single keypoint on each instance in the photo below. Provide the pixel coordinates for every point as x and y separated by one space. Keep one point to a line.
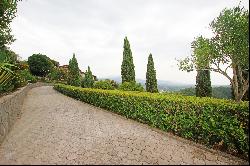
55 129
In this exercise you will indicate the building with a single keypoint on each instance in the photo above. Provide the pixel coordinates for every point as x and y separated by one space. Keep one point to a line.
66 67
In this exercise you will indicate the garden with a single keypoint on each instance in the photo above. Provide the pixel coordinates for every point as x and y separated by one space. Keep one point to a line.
217 123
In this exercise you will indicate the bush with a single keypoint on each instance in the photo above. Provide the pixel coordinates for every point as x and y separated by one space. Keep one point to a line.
213 122
40 65
104 84
27 76
58 75
131 86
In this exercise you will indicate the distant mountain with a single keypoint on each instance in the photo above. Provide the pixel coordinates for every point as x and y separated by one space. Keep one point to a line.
163 85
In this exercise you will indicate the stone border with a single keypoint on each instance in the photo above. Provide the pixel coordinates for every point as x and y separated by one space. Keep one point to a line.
10 107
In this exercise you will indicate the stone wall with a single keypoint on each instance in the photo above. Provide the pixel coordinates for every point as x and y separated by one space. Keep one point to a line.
10 108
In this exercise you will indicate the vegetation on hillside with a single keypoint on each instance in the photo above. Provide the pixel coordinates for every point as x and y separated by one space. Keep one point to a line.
223 92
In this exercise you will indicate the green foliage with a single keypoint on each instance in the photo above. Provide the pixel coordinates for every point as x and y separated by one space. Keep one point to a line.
228 48
8 56
74 77
58 75
103 84
151 81
127 67
213 122
88 80
203 84
55 63
221 92
28 77
131 86
40 65
7 13
187 92
6 74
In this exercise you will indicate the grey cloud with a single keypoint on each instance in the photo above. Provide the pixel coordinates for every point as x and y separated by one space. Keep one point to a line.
94 30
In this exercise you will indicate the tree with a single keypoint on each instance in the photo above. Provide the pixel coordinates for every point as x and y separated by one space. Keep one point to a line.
88 80
127 67
151 81
203 86
74 78
8 10
40 65
228 48
55 63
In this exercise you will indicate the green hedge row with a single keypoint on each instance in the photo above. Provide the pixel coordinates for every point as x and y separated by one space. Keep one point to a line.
217 123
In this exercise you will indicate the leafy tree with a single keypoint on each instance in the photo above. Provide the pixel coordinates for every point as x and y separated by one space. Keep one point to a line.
74 78
55 63
203 86
8 56
203 82
151 81
88 80
40 65
127 67
8 10
229 48
58 74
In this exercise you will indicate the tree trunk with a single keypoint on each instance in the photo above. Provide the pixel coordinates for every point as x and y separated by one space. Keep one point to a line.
240 83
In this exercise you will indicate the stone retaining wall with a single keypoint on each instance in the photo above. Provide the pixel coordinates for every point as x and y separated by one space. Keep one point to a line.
10 108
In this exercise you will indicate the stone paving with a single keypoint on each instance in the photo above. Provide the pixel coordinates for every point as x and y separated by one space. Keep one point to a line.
56 129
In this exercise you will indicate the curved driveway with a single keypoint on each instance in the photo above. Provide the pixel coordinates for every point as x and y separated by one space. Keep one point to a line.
56 129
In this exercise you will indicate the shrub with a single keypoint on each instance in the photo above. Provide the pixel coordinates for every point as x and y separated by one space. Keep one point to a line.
104 84
131 86
213 122
58 74
27 76
40 65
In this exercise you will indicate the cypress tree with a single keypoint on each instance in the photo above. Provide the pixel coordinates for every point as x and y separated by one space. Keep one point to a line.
127 67
88 80
151 81
74 78
203 84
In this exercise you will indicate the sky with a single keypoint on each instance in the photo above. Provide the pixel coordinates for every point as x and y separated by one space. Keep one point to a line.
95 29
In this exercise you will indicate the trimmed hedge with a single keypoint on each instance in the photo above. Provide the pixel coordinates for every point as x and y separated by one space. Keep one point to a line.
217 123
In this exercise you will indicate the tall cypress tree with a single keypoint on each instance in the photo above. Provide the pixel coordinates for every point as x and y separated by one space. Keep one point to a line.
88 80
127 67
203 84
74 78
151 81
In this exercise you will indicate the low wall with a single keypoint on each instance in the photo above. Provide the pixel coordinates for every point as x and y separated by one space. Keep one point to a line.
10 108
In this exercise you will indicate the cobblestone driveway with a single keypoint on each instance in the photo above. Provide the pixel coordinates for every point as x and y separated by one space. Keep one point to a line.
55 129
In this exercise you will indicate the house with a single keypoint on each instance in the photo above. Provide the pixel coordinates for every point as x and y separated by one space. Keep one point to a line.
66 67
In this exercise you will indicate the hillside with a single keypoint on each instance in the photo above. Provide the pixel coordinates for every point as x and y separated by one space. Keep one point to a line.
163 85
217 92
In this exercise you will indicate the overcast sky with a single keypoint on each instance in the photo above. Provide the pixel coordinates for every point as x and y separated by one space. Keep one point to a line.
94 30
